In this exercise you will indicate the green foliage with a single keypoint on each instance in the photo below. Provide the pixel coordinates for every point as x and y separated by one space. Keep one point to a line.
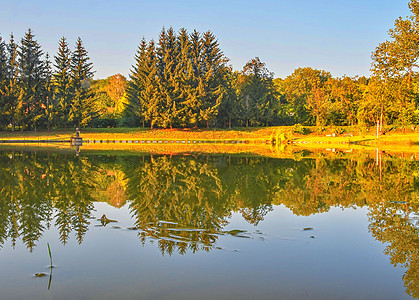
183 80
395 64
256 93
82 109
63 90
32 76
299 129
50 255
180 82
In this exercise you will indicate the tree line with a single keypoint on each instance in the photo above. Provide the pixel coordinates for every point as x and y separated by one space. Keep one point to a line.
184 80
35 92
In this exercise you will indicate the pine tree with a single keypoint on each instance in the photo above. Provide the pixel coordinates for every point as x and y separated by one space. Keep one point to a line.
81 111
167 64
11 92
31 68
183 82
149 94
195 99
213 79
61 102
3 75
134 112
48 92
3 64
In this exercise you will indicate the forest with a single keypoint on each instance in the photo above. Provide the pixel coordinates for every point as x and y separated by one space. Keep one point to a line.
184 80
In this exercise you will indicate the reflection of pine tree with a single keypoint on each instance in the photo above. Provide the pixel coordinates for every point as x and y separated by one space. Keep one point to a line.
32 185
75 205
32 206
183 191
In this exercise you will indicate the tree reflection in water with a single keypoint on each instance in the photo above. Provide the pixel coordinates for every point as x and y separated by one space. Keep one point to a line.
184 202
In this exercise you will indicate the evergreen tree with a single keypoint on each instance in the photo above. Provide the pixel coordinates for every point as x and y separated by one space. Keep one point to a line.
3 75
212 83
196 91
167 65
185 92
150 95
81 110
31 69
134 112
49 116
11 91
61 103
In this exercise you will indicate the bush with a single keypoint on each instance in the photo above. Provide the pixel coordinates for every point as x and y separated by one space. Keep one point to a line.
299 129
337 130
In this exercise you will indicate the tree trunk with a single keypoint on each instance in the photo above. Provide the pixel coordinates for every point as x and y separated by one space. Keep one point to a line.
381 119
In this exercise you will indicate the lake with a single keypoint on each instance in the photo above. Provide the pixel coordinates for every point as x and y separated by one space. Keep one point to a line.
208 226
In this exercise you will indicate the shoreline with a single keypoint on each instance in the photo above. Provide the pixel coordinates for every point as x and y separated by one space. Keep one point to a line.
265 136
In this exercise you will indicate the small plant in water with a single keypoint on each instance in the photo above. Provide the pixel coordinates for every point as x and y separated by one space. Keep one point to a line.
40 274
50 256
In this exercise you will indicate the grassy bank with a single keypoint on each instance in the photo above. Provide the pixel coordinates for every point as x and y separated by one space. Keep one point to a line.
348 137
138 133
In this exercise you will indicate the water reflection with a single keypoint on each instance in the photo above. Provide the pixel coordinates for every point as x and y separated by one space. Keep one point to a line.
184 202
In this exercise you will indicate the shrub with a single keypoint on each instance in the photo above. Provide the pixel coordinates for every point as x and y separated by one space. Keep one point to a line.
299 129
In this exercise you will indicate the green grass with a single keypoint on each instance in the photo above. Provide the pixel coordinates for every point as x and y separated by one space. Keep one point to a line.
50 255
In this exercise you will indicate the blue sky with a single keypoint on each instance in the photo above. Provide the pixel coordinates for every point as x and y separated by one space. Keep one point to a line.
335 35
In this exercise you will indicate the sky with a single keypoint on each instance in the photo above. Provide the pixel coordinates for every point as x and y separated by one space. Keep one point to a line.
338 36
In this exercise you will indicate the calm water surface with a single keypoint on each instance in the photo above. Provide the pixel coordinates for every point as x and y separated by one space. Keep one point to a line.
207 227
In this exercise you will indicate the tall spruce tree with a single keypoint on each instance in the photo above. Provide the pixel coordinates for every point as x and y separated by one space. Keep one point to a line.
167 64
183 82
150 94
134 112
81 110
3 75
48 92
196 91
61 103
11 88
31 75
213 79
3 64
